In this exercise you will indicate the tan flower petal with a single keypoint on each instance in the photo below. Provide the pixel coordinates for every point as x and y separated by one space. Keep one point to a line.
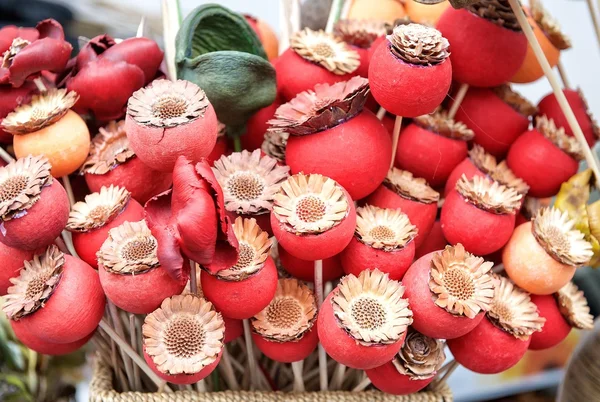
504 175
403 183
498 12
325 49
489 195
420 357
549 25
482 160
381 228
275 144
558 137
515 100
441 124
98 209
359 33
109 149
574 307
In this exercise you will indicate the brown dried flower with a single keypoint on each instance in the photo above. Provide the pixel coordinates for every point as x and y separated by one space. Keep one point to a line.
420 357
382 228
504 175
549 25
482 160
16 46
489 195
403 183
558 137
498 12
359 33
419 44
326 50
441 124
574 307
98 209
515 100
109 149
275 144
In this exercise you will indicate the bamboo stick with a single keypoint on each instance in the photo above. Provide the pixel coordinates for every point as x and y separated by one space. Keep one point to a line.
227 370
594 16
563 75
252 366
298 380
396 136
319 293
137 384
460 96
334 13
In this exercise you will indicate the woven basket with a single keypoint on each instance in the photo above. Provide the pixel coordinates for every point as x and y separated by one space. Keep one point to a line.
101 390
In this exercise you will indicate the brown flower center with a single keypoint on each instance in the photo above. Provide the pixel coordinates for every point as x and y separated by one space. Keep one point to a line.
37 285
310 209
419 346
100 213
246 256
169 107
324 50
557 238
245 186
382 233
459 283
184 337
138 248
13 187
368 313
503 311
284 312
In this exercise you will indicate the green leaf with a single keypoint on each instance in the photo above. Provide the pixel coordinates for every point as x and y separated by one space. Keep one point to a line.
12 352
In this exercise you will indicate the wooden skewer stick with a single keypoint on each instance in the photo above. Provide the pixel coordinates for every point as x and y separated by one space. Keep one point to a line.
298 380
322 355
381 113
170 20
338 376
334 13
460 96
6 157
68 189
137 384
364 383
227 370
594 19
193 278
252 366
118 326
396 136
563 75
445 372
141 28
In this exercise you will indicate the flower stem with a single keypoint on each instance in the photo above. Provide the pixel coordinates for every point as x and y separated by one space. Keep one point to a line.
460 96
237 144
322 355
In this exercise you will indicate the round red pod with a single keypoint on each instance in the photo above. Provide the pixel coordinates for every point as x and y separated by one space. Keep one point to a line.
555 329
478 163
387 379
544 158
48 348
233 329
11 262
288 352
411 195
485 52
257 126
182 379
360 35
168 119
72 310
305 269
435 241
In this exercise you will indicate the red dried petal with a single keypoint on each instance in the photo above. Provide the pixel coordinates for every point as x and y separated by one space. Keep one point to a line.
142 52
186 184
10 32
93 49
43 54
50 28
157 210
197 227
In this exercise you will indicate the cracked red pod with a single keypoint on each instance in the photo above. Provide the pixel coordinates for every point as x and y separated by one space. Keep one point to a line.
91 220
503 336
360 35
10 99
191 219
30 197
56 298
11 262
305 269
49 348
26 59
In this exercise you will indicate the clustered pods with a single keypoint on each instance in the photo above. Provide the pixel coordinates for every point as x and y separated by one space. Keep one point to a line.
360 35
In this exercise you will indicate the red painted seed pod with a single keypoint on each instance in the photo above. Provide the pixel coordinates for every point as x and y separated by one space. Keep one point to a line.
257 126
411 195
480 213
69 304
449 292
502 337
362 323
383 238
435 241
313 217
305 269
544 158
487 49
411 73
360 35
48 348
11 262
233 329
168 119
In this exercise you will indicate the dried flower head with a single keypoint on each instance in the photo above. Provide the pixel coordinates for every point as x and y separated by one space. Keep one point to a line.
403 183
389 27
531 207
382 228
489 195
549 25
44 110
419 44
98 209
130 249
515 100
558 137
504 175
325 107
290 315
420 357
16 46
359 33
21 183
166 103
275 144
513 311
441 124
498 12
254 250
109 149
310 204
35 284
249 181
556 233
184 335
574 307
326 50
460 282
482 160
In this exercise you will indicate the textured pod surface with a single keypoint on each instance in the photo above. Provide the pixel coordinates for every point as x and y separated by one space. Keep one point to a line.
182 379
288 352
11 262
305 269
387 379
555 329
48 348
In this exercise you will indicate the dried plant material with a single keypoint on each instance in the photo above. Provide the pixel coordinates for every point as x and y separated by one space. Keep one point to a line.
530 207
389 28
556 233
249 181
326 50
130 249
482 160
558 137
419 44
44 110
310 204
420 357
549 25
595 127
98 209
254 249
504 175
275 144
489 195
184 335
290 315
441 124
21 184
513 311
16 46
166 103
325 107
515 100
497 12
403 183
109 149
574 307
460 282
359 33
371 309
35 284
384 229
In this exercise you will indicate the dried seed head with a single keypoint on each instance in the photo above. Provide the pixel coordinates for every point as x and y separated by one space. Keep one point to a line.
184 335
359 33
275 144
109 149
16 46
130 249
574 307
504 175
420 357
310 204
498 12
35 284
489 195
549 26
21 183
482 160
98 209
556 233
460 282
44 110
325 107
371 309
558 137
326 50
513 311
515 100
254 250
166 103
382 228
389 28
441 124
249 181
419 44
290 315
403 183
